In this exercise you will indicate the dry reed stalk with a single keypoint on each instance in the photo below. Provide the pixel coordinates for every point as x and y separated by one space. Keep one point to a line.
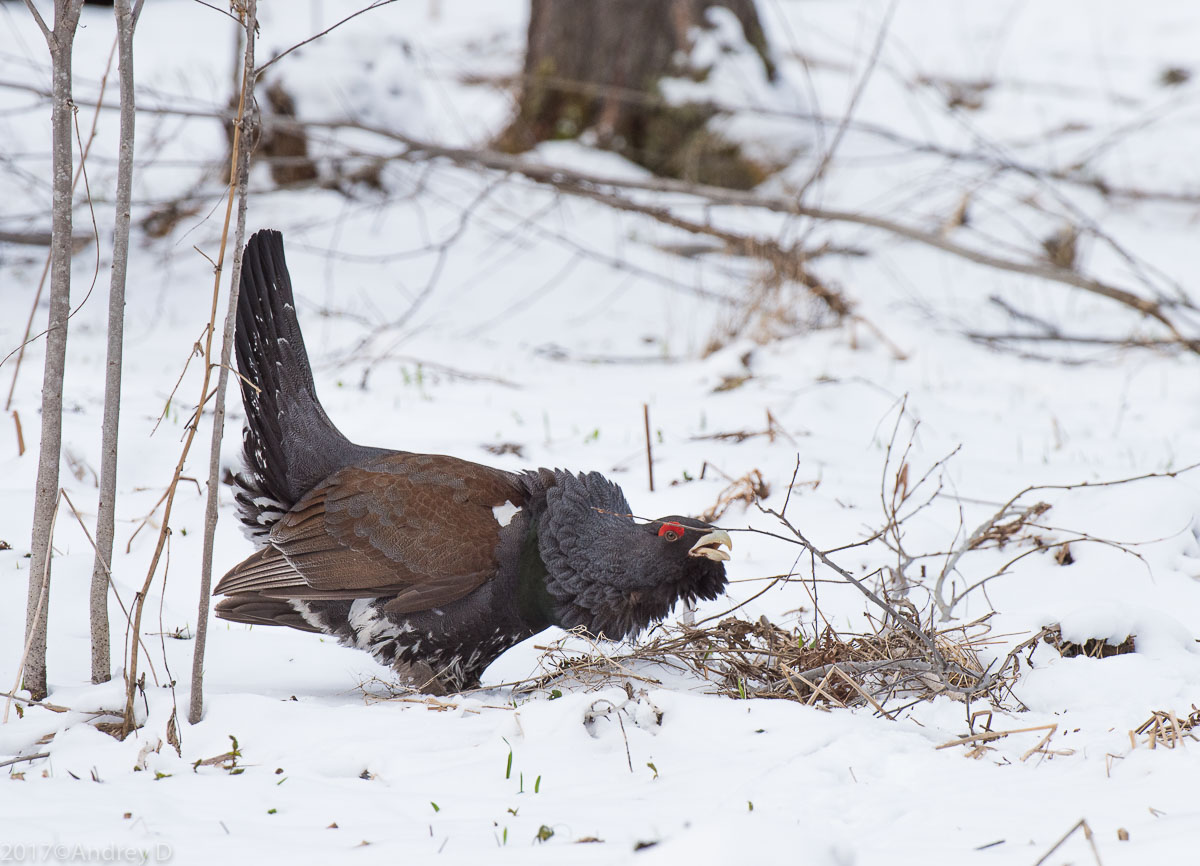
128 723
238 176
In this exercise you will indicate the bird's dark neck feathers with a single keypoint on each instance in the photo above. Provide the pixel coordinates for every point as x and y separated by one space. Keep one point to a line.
593 556
534 602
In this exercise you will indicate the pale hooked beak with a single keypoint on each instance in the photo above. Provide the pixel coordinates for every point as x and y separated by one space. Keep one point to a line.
709 546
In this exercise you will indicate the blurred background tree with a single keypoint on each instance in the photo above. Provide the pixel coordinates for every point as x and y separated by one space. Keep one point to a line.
595 66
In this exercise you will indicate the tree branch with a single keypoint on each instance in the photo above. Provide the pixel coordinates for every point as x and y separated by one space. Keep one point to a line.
41 23
284 54
106 511
45 505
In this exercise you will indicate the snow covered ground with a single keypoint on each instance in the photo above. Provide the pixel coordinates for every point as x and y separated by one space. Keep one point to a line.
547 322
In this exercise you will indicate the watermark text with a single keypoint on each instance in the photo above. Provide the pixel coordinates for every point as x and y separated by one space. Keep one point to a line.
66 852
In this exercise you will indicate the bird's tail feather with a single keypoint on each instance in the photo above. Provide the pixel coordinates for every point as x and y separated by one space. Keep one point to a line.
289 444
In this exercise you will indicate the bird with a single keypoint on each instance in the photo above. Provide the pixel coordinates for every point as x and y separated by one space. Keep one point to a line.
432 563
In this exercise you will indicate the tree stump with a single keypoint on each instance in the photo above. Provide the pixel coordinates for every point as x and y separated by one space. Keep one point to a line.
595 65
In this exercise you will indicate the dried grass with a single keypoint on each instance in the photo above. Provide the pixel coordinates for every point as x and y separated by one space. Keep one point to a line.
747 490
742 658
1165 728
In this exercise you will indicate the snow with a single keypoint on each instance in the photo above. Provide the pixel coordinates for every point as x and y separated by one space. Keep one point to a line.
547 322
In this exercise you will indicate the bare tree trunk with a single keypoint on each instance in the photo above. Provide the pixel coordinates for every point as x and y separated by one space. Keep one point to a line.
241 159
60 42
106 514
595 65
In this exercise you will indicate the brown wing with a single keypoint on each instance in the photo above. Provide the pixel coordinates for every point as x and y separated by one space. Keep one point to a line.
418 526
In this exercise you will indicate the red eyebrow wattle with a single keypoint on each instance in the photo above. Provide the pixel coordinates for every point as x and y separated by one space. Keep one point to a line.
670 527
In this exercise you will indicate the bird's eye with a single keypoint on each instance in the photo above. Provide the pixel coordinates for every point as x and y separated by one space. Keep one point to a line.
670 531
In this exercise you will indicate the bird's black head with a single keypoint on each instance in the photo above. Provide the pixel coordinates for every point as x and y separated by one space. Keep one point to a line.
689 558
614 576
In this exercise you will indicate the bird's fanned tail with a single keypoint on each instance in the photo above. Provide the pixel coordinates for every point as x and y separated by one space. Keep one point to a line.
288 443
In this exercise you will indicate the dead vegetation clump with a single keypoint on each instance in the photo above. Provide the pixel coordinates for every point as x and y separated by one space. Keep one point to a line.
748 489
742 658
1092 648
999 533
1167 729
